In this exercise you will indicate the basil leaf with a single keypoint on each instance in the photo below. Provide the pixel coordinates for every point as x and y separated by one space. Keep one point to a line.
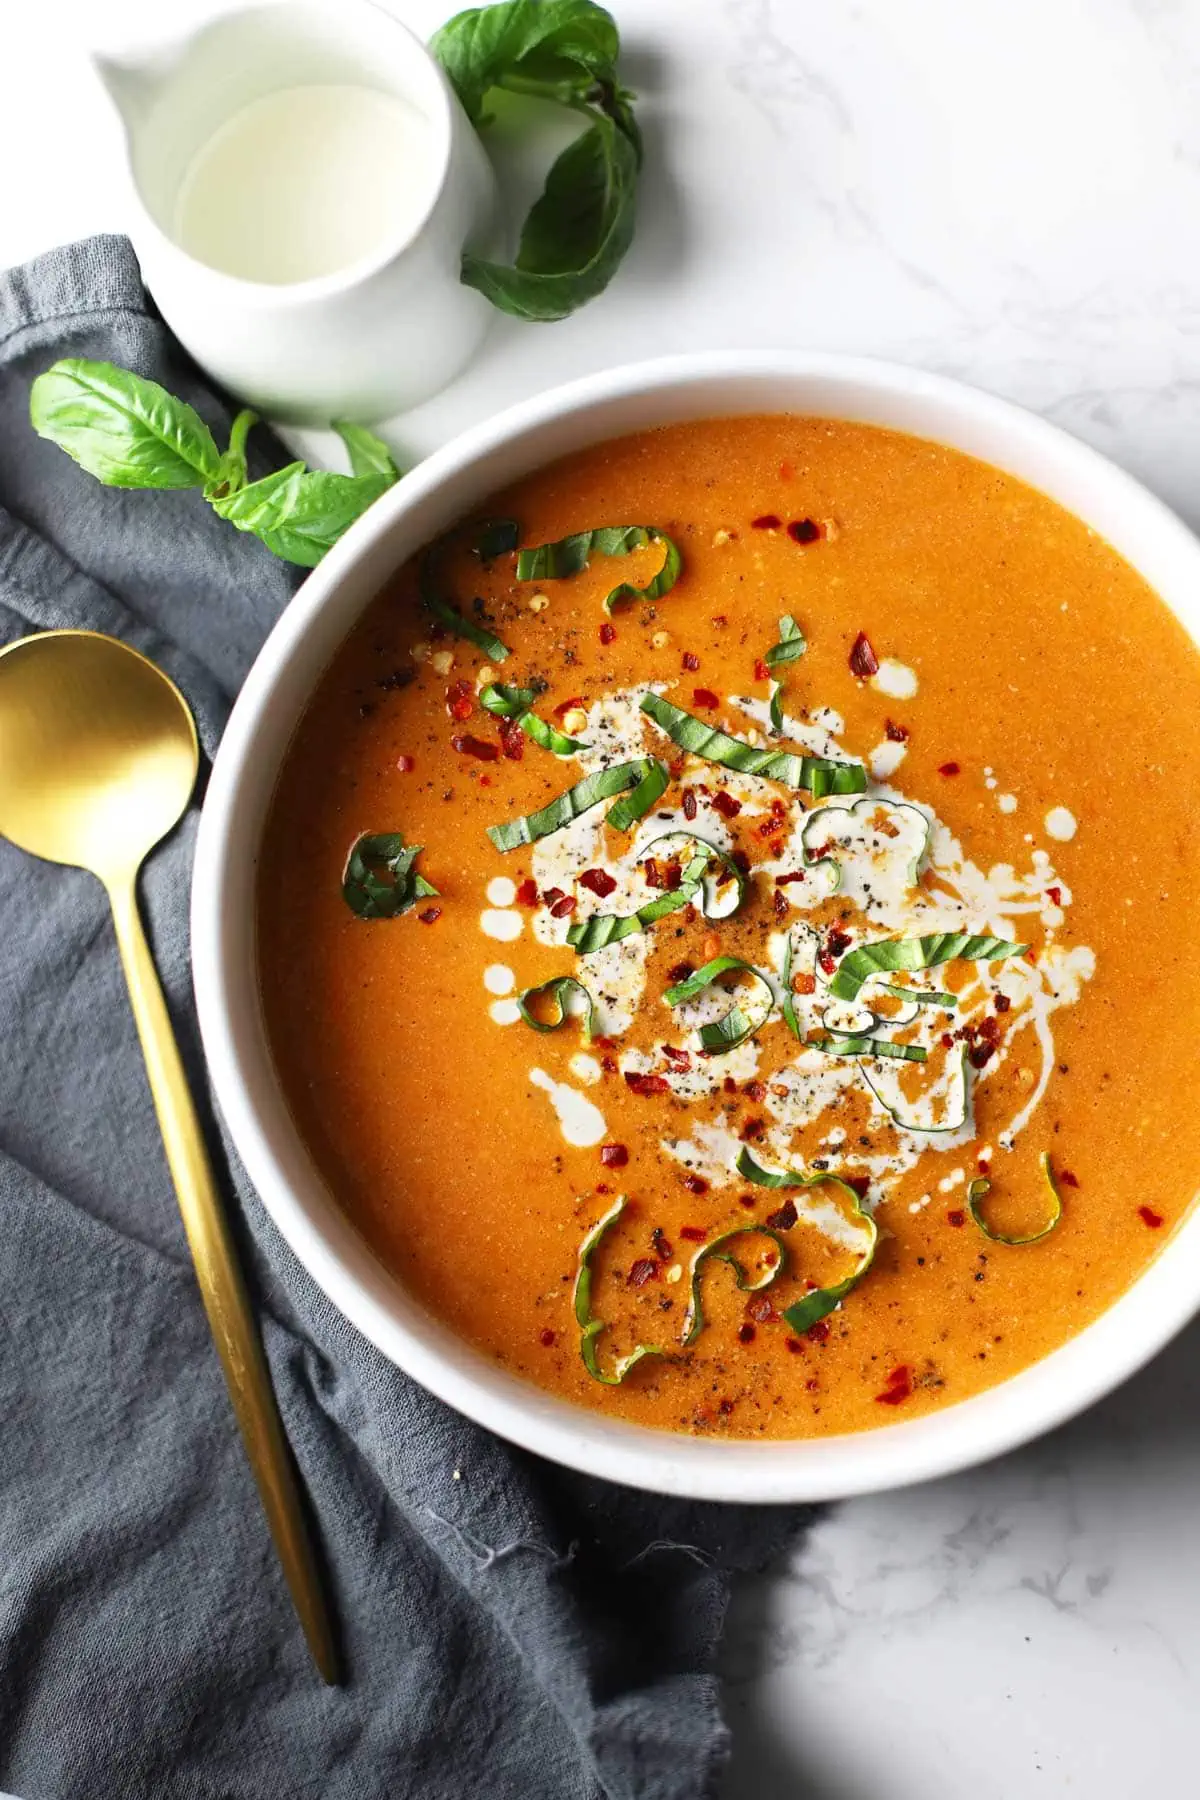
714 881
125 430
591 1327
738 1024
693 1318
915 953
299 513
496 537
442 610
819 833
920 996
514 703
380 881
560 48
775 710
369 455
837 1044
895 1113
634 806
818 775
567 556
602 929
813 1307
558 991
792 643
578 799
981 1187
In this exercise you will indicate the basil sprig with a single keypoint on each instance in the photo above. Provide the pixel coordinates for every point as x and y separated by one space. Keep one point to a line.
818 775
747 1282
739 1022
792 643
564 997
516 703
915 953
577 233
380 881
129 432
568 555
590 1326
981 1187
813 1307
579 799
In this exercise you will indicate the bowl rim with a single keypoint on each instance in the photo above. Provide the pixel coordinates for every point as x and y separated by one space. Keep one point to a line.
1113 1347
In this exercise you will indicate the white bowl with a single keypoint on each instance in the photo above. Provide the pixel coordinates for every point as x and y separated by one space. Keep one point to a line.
292 661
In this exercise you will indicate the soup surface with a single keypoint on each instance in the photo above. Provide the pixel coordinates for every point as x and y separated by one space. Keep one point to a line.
912 747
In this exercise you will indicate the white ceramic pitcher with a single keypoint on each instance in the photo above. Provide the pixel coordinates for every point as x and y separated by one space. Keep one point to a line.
363 343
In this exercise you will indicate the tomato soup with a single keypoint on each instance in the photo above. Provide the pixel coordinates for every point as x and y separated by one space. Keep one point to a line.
721 924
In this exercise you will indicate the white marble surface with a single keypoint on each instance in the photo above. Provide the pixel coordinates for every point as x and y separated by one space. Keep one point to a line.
1007 190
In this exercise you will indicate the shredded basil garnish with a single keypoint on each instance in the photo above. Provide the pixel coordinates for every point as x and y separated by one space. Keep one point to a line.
515 703
602 929
568 555
738 1023
920 996
897 1117
380 881
634 806
814 1306
558 992
591 1327
578 799
837 1044
817 827
495 537
491 539
775 709
722 869
981 1187
792 643
817 775
906 954
789 997
693 1318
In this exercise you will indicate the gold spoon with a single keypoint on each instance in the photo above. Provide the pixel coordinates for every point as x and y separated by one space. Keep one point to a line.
98 759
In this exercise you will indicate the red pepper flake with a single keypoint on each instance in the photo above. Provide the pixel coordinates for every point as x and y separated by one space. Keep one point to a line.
896 734
646 1084
761 671
740 861
644 1269
608 1064
527 892
430 916
746 1333
860 1183
568 705
826 961
726 805
785 880
459 701
1002 1003
704 697
690 807
863 660
662 1246
1054 894
818 1333
1149 1217
956 1217
837 941
767 522
760 1308
551 895
547 1339
679 1059
804 531
608 632
725 1407
748 1201
512 740
981 1054
794 1345
948 768
989 1030
781 906
757 1091
614 1156
784 1217
899 1387
652 873
695 1184
752 1130
473 746
1067 1179
404 764
597 881
690 662
729 1085
695 1234
562 909
947 1040
804 984
681 970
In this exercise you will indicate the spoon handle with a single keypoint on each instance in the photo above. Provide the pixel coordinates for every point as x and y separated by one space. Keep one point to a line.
221 1285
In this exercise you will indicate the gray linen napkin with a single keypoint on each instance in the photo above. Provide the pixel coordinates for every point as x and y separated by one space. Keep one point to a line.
510 1630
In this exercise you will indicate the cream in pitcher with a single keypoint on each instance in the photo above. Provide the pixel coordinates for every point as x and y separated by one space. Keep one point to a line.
303 183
